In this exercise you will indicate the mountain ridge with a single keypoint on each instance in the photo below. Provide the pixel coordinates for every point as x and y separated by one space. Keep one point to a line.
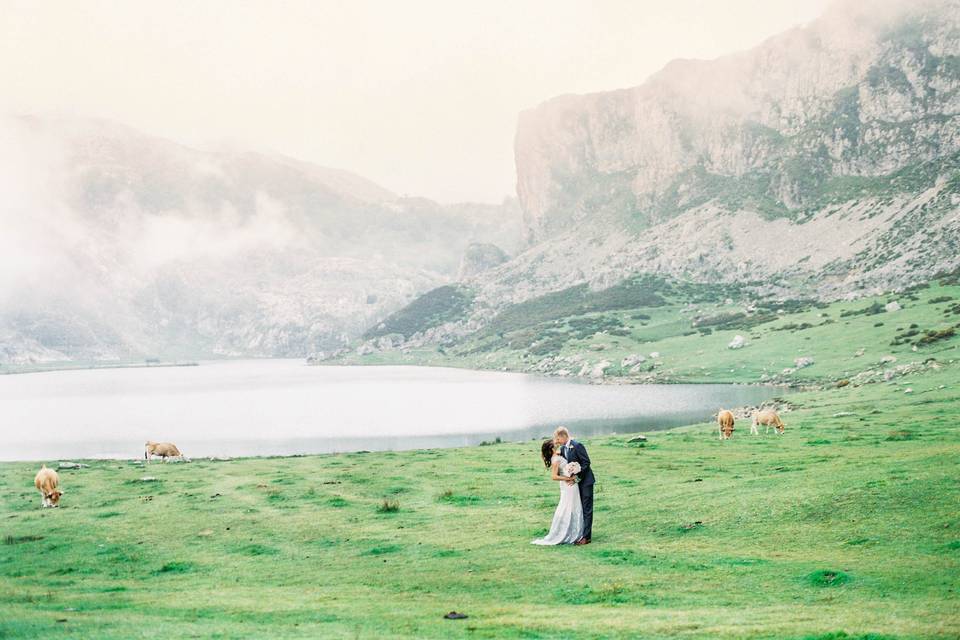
823 163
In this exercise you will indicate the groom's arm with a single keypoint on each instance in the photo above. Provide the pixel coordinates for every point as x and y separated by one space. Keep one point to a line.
584 458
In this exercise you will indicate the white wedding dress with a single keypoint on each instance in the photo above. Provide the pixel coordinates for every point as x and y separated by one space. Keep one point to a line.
567 525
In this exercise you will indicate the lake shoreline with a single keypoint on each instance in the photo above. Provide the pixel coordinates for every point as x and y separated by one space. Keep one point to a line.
611 380
132 365
608 380
282 407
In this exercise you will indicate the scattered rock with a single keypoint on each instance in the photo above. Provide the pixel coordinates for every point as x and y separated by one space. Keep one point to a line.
859 352
738 342
632 360
598 369
892 306
843 414
654 354
148 479
803 361
454 615
908 390
842 383
72 465
888 359
390 341
598 347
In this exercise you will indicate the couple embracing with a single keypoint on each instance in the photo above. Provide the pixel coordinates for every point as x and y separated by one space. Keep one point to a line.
570 466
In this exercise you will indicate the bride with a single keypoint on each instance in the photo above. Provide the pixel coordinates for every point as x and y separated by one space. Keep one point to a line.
567 526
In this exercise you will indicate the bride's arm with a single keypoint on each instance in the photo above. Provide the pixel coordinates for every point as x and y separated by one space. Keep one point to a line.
555 473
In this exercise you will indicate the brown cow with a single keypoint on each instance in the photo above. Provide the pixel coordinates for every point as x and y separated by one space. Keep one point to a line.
163 449
47 483
725 422
769 418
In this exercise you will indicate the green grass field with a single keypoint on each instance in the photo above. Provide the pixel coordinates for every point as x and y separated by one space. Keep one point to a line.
847 526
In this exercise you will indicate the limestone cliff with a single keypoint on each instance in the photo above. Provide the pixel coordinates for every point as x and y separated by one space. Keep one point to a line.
826 157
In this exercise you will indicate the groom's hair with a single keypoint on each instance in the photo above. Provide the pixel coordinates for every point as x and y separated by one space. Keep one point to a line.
546 450
561 431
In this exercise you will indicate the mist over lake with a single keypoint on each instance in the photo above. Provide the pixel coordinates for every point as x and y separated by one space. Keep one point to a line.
273 407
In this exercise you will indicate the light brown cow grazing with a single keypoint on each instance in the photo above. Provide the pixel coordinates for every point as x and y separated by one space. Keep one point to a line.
163 449
47 483
725 421
769 418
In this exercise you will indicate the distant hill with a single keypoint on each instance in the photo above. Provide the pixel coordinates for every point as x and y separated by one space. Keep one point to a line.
120 245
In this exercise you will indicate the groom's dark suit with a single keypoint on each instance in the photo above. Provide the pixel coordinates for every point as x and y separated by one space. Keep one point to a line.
573 451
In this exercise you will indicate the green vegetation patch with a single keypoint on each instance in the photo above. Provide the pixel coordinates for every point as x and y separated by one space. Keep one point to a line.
640 291
443 304
459 499
175 567
828 578
21 539
383 550
388 506
256 549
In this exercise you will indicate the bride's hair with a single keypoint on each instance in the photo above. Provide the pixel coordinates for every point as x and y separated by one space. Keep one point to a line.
546 450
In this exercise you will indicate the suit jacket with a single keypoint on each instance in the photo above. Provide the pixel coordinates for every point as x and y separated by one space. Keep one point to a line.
576 452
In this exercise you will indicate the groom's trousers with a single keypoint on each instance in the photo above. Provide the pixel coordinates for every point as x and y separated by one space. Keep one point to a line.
586 502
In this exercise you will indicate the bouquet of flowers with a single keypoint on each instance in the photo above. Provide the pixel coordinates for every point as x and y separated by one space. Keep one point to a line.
573 468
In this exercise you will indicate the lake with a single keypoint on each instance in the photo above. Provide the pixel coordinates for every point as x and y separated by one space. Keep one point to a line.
280 407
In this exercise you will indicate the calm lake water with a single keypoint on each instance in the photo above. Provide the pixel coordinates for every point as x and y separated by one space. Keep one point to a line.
274 407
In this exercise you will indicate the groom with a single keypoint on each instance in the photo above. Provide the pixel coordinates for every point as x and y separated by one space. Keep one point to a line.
573 451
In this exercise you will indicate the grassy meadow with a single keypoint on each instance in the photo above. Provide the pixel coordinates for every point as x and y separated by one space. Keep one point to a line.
847 526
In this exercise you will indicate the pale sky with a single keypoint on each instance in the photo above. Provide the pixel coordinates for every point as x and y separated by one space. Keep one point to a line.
421 96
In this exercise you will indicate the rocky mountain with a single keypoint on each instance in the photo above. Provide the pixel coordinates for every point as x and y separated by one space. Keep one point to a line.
121 245
825 162
827 155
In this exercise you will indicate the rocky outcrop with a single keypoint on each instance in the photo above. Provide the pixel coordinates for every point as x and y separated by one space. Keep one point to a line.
480 257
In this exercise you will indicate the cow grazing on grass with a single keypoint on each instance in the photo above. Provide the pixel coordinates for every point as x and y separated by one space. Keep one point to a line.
163 449
47 483
768 418
725 422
